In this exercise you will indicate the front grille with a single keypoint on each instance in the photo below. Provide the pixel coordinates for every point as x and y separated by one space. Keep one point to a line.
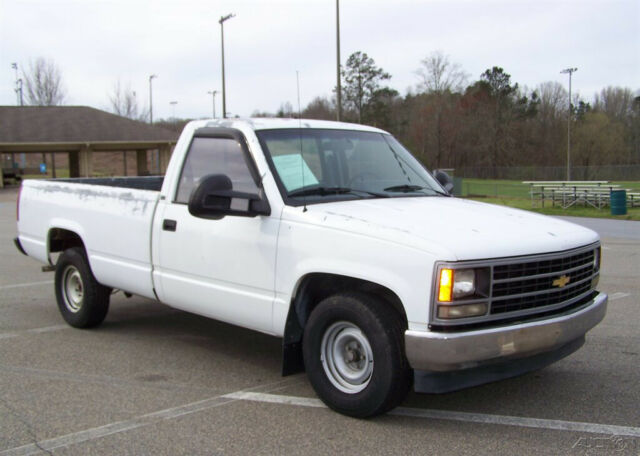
528 287
530 284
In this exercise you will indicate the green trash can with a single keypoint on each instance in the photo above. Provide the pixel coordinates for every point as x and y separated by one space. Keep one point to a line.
618 202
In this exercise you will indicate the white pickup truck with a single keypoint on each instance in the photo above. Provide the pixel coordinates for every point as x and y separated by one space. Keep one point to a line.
335 238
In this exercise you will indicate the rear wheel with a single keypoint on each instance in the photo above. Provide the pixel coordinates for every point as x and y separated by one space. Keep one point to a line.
82 301
354 354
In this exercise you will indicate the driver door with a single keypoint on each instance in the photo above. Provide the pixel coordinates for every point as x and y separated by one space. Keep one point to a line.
223 269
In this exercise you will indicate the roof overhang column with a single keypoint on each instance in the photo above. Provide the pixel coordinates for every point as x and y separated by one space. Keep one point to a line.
85 161
141 162
165 156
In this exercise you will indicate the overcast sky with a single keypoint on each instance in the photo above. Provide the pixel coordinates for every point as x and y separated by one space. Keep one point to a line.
96 43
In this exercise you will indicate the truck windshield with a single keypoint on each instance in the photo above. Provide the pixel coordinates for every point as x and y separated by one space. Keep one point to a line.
318 165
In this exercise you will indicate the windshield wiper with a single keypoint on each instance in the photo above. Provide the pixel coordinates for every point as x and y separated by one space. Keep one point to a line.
405 188
323 191
368 192
408 188
320 191
440 193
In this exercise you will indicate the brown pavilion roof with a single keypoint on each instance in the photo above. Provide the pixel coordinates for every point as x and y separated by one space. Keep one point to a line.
51 128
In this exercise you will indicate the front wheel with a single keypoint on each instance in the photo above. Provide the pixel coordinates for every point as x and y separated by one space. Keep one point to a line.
82 301
354 354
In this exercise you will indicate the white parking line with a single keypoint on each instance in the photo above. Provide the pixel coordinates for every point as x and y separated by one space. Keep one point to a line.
47 329
137 422
114 428
618 295
25 285
44 329
537 423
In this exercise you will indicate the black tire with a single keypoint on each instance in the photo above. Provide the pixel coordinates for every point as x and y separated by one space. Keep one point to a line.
333 321
82 301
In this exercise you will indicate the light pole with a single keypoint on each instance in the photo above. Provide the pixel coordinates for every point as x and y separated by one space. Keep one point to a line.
213 94
570 71
339 89
19 91
151 98
18 88
224 92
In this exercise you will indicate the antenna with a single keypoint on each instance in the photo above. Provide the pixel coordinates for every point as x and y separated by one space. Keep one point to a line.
304 198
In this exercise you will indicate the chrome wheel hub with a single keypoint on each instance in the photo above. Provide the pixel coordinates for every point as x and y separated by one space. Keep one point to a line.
72 289
347 357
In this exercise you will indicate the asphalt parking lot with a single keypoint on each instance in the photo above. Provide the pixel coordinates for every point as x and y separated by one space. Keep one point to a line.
153 380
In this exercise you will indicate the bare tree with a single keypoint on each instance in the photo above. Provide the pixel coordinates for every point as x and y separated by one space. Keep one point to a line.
599 140
125 103
551 126
319 108
553 99
286 110
439 80
44 83
438 74
616 102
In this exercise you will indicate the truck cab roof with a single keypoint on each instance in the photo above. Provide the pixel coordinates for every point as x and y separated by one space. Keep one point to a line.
258 123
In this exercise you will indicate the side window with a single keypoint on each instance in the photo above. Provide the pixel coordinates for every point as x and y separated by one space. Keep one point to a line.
214 156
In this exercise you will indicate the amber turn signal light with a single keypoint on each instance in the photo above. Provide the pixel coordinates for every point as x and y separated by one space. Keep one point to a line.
445 285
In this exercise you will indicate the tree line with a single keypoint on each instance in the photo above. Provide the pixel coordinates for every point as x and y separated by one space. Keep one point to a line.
446 120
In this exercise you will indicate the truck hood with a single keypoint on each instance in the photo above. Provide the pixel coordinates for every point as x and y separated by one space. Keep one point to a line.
453 229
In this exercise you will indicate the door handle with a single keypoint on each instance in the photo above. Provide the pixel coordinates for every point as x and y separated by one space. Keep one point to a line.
169 225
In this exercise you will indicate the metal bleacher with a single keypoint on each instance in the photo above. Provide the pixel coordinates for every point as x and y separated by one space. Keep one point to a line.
569 193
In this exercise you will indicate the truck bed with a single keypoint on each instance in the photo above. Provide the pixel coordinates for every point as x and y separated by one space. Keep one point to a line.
112 216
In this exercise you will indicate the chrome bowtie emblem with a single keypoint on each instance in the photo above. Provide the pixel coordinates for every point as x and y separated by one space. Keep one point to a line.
561 281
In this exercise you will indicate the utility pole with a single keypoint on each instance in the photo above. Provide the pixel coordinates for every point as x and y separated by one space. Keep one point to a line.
19 91
213 94
20 102
18 88
151 98
570 71
339 88
224 91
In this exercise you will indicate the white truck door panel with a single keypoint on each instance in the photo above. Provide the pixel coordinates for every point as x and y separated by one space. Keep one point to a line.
224 268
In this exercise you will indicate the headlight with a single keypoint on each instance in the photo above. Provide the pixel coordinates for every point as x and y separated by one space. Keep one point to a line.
456 284
464 283
463 292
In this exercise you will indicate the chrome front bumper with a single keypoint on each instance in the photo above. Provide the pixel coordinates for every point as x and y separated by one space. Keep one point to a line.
445 352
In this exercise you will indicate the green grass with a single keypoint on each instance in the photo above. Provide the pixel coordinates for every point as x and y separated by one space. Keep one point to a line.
514 193
511 188
574 211
488 187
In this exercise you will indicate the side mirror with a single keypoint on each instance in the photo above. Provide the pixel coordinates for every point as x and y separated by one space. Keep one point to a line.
444 179
214 198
